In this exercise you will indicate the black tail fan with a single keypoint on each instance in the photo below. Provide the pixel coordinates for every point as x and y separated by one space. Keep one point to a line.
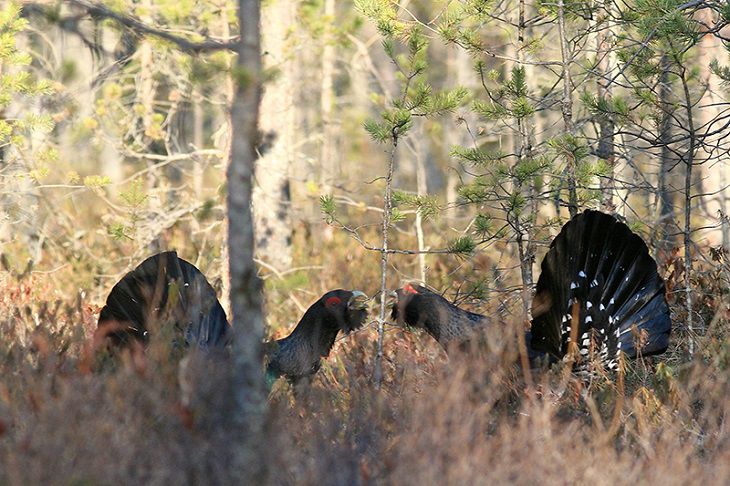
165 287
599 271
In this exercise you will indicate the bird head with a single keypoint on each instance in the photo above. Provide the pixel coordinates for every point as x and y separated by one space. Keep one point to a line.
347 308
415 306
409 305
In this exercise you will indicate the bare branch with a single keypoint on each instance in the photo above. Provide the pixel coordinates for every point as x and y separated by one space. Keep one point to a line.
98 10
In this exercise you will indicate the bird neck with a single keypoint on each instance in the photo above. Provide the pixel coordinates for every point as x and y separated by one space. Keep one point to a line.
298 355
317 329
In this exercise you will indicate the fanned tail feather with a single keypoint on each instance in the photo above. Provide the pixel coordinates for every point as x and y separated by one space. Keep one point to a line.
598 271
165 287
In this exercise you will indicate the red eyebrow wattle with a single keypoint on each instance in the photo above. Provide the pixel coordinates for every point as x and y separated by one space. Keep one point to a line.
332 301
409 289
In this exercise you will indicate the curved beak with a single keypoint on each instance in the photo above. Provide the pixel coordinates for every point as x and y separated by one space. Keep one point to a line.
358 301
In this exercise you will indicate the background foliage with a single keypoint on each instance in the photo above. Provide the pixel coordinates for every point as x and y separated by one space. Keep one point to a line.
498 119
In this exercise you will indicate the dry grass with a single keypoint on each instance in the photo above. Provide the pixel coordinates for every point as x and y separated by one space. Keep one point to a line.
69 415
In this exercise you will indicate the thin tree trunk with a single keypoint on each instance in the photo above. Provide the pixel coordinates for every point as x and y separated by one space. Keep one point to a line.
421 190
666 191
387 208
245 294
567 106
689 162
525 245
604 70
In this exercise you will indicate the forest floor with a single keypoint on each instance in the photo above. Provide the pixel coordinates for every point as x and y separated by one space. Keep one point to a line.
69 415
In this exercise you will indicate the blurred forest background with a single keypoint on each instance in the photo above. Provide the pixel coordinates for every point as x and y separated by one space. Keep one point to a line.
471 130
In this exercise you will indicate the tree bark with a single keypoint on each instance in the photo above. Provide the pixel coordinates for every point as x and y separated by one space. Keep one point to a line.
666 189
329 167
245 286
524 230
272 196
689 159
604 70
229 94
567 107
146 92
460 72
421 190
712 163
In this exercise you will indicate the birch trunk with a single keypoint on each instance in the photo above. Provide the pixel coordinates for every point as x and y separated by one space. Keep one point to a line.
227 141
272 197
461 73
712 163
329 167
146 93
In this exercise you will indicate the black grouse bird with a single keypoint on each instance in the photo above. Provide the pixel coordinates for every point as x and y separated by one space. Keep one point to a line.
167 289
598 272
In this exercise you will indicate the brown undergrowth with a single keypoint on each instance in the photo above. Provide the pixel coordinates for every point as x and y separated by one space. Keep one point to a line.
70 414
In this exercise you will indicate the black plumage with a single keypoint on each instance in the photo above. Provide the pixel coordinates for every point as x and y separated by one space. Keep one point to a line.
601 272
167 289
299 354
596 271
421 308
